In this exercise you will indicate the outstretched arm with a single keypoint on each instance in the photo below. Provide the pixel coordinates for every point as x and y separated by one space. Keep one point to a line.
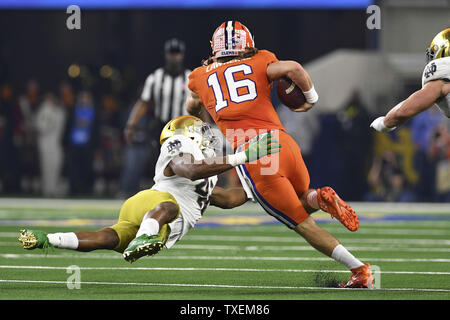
294 71
186 166
418 102
228 198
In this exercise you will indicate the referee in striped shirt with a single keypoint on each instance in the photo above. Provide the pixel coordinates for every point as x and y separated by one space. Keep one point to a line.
163 98
164 92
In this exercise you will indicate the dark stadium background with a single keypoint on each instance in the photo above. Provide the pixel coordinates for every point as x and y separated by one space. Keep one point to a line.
36 45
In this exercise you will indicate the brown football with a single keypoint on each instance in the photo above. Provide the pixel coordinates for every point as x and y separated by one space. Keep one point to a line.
289 93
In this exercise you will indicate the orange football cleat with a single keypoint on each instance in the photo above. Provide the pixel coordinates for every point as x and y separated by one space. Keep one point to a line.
360 278
330 202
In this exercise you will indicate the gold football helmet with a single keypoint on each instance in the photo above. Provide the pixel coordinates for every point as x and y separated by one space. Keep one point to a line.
440 46
191 127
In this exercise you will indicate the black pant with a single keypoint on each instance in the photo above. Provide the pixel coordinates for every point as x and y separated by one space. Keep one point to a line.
80 170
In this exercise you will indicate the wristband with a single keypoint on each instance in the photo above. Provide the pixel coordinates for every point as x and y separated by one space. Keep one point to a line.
237 158
311 95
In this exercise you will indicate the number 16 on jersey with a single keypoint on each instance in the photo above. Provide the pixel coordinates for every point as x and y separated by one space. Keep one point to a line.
233 86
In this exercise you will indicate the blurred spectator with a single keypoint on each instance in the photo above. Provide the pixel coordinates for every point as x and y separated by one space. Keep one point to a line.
109 155
9 157
423 126
67 96
29 103
355 142
439 154
387 181
50 120
81 139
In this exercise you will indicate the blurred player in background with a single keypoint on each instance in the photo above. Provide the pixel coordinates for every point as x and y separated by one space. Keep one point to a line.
162 99
435 87
234 85
185 184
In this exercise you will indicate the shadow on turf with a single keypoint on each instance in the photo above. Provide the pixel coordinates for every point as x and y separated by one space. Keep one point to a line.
326 280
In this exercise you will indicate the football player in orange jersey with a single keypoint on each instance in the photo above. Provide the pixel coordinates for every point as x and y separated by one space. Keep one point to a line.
234 86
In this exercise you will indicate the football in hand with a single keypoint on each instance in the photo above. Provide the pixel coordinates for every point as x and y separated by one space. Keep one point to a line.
289 93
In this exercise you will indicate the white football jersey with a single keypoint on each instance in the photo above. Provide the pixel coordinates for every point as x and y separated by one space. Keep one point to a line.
192 196
439 69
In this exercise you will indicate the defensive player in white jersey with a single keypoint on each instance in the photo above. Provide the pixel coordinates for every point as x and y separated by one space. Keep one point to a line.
185 183
435 87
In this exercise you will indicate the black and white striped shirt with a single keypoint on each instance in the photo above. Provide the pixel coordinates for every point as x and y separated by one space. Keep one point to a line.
167 92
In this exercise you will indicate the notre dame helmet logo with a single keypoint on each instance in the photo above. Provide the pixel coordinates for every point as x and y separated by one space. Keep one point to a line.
431 69
173 146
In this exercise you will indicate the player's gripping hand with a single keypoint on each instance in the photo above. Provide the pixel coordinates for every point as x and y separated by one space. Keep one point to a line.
378 124
264 145
303 108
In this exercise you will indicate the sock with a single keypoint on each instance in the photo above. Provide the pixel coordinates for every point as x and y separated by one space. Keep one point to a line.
340 254
311 199
148 226
63 240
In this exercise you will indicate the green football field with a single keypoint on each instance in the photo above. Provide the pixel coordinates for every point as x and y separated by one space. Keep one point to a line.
242 254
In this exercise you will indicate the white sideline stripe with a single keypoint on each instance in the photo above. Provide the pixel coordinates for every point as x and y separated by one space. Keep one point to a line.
220 269
309 248
393 231
340 230
216 285
278 248
163 257
297 239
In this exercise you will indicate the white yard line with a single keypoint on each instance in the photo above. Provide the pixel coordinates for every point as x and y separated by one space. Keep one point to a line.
339 230
280 248
393 231
179 257
213 285
218 269
298 239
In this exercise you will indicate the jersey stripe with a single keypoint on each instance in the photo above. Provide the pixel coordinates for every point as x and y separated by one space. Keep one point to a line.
176 96
167 92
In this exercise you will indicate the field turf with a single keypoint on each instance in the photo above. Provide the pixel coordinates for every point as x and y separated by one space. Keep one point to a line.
241 254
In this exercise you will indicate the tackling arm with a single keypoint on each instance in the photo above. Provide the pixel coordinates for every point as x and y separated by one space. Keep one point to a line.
418 102
186 166
294 71
228 198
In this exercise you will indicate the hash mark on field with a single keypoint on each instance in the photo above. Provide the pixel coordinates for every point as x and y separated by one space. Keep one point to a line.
217 285
219 269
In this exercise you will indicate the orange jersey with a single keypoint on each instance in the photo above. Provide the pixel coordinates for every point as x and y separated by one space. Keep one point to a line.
237 93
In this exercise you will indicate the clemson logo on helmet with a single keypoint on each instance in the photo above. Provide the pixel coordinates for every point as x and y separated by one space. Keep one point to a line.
231 38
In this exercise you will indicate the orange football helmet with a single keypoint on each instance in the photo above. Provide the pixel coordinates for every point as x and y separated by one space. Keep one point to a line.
231 38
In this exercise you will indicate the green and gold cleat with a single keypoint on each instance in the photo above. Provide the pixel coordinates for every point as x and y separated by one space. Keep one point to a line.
146 245
32 239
